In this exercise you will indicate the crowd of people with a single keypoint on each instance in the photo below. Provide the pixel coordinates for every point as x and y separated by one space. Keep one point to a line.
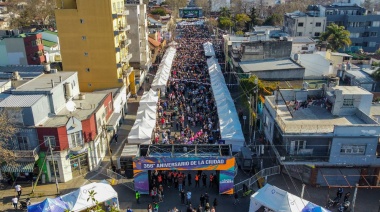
187 112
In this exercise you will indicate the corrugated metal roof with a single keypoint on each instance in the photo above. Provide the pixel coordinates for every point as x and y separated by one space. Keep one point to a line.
20 100
43 82
361 77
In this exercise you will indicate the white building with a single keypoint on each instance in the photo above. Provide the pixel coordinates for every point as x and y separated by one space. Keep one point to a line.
217 4
301 45
304 24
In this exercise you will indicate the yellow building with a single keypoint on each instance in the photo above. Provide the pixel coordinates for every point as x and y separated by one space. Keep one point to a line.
93 39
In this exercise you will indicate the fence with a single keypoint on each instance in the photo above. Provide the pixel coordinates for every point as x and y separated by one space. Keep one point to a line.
262 173
117 178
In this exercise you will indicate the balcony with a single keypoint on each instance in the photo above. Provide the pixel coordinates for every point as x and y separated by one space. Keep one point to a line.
126 58
27 155
127 72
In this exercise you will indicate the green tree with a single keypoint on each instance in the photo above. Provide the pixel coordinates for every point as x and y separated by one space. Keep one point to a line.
225 12
254 18
336 37
158 11
239 33
241 21
225 22
274 20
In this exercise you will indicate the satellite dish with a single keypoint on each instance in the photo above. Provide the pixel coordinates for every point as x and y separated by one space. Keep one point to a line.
71 106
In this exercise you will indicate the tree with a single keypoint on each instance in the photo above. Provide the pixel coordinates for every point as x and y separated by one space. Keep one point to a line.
35 12
376 74
225 12
225 22
158 11
273 20
206 6
7 131
241 20
336 37
253 16
97 207
368 4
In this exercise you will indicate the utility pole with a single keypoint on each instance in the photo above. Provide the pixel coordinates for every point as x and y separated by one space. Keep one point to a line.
354 197
256 99
52 160
250 118
303 190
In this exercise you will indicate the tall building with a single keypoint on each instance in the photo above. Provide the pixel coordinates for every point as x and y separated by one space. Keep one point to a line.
141 55
93 38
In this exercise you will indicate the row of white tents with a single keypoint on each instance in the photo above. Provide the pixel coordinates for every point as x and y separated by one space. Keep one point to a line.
279 200
163 72
142 129
230 127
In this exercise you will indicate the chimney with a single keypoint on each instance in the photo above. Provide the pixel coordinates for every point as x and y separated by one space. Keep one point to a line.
52 83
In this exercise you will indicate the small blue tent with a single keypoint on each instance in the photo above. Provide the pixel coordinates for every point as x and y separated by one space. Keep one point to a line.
49 205
311 207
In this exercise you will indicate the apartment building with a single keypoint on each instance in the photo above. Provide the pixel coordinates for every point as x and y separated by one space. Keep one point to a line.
138 37
94 42
304 24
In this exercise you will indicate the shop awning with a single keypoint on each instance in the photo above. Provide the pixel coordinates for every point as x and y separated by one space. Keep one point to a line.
18 167
114 119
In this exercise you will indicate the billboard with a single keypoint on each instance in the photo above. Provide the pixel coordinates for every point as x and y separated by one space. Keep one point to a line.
226 166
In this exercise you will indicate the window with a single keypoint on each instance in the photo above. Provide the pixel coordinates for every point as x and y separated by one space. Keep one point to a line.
51 139
300 24
317 34
348 149
299 33
23 143
34 43
376 23
76 139
318 24
86 54
372 44
304 48
89 85
87 69
83 37
81 21
354 35
373 34
348 102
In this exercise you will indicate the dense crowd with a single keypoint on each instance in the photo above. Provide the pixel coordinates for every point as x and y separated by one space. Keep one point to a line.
187 112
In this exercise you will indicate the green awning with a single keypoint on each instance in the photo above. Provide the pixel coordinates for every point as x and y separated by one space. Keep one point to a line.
18 167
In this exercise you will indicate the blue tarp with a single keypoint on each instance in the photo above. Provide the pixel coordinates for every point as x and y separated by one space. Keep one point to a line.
49 205
311 207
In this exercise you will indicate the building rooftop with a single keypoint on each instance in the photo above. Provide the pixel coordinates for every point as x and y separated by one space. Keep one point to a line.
353 90
361 76
84 109
48 43
269 65
301 39
315 118
43 82
20 100
24 71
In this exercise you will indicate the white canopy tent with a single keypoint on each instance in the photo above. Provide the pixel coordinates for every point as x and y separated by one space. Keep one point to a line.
149 97
141 132
209 49
147 114
230 127
279 200
163 72
77 200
